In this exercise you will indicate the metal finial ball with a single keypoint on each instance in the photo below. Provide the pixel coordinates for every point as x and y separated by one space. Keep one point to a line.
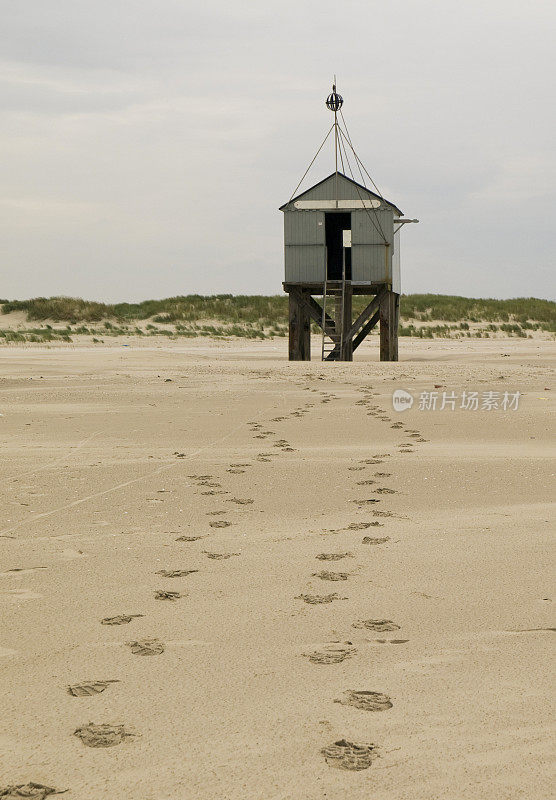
334 101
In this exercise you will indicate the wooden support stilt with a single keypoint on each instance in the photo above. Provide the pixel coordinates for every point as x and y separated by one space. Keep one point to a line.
396 326
338 314
389 327
346 353
336 354
299 329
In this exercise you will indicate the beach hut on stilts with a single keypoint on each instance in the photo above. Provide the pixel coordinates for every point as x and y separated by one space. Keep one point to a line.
342 238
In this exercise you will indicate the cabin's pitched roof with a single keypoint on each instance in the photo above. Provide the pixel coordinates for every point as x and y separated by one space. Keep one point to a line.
350 180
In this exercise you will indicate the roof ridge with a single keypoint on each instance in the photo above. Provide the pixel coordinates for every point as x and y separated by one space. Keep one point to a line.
347 178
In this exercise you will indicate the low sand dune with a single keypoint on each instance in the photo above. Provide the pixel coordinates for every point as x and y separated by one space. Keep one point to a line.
214 474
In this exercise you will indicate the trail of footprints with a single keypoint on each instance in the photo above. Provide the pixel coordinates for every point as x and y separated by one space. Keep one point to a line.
341 754
109 735
344 754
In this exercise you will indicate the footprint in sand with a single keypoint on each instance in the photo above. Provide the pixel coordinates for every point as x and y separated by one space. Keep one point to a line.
356 469
358 526
235 471
377 540
349 755
189 538
213 492
214 513
210 484
146 647
175 573
381 455
220 523
316 599
383 474
121 619
36 791
384 490
366 701
365 483
163 594
366 502
240 501
333 556
219 556
102 735
380 625
331 576
331 654
20 571
88 689
239 466
383 513
391 641
200 477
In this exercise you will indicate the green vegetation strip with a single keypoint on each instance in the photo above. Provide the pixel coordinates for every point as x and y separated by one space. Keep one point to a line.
261 317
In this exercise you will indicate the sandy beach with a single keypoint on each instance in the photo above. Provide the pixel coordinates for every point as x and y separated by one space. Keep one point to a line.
225 553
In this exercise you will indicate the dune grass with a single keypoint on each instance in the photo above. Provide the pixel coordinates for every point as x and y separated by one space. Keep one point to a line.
448 308
260 317
188 308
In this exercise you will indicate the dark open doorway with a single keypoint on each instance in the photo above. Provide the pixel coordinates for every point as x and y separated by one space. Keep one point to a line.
335 224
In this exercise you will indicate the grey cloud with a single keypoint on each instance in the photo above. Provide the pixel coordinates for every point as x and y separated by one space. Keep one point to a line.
146 146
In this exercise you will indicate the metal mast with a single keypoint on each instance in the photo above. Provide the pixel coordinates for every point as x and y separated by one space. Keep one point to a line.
335 144
334 102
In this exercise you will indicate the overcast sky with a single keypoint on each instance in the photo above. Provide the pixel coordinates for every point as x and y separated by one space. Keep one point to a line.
145 145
